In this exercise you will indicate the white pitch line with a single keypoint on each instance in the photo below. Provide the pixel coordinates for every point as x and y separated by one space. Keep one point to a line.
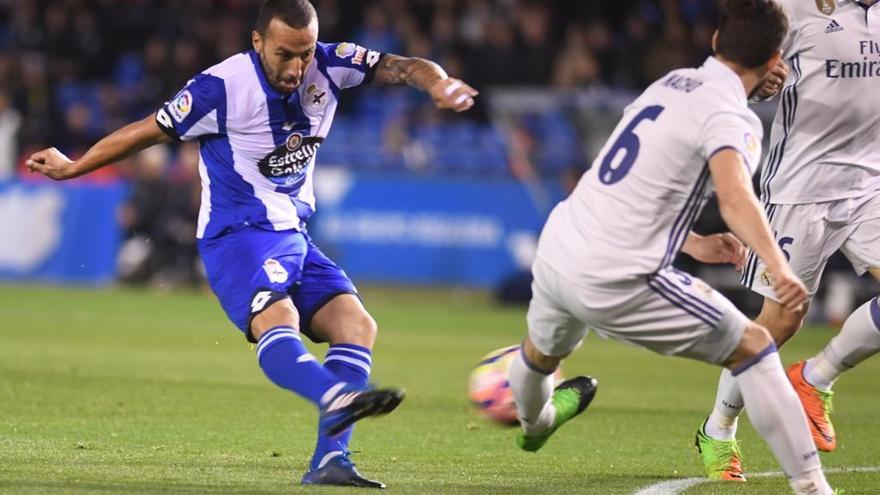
674 487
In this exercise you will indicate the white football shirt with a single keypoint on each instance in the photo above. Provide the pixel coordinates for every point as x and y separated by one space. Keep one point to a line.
825 141
632 210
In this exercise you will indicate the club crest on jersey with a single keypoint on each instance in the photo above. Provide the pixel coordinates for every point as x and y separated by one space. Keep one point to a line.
276 273
181 106
766 278
826 7
316 97
285 165
294 141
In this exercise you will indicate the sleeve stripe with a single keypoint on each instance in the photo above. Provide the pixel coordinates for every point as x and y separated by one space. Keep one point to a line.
733 148
371 71
164 126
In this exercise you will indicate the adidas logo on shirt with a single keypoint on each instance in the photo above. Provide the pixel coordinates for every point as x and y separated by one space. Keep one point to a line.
833 27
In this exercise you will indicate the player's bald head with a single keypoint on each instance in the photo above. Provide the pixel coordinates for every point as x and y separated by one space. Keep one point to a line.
297 14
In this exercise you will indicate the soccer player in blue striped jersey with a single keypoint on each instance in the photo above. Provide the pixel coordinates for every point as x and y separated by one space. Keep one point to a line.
260 118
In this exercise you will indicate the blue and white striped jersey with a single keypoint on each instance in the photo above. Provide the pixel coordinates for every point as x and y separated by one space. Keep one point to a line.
258 147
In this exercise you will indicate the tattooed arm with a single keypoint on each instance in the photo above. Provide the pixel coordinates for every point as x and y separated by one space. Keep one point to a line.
447 92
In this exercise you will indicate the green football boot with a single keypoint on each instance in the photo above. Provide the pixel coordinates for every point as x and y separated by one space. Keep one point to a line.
721 458
570 398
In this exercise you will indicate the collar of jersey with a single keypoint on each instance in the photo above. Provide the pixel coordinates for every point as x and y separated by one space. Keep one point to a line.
261 75
715 66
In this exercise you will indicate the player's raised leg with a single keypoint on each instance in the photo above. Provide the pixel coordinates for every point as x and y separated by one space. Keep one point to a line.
541 408
775 411
553 335
286 362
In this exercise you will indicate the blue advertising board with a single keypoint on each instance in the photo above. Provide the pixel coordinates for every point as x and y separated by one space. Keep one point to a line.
59 233
379 228
431 230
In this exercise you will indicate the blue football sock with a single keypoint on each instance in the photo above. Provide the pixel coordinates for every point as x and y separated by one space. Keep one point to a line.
351 363
289 365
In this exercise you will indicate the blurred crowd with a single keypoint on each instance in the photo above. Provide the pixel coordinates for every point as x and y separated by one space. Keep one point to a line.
159 218
73 70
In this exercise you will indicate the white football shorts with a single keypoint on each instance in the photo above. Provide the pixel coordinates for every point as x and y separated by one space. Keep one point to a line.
670 312
810 233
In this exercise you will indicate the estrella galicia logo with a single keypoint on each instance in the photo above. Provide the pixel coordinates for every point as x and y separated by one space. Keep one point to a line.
286 163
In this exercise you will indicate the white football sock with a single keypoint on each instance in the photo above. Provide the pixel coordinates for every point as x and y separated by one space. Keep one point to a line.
812 483
858 340
532 391
776 413
722 423
820 372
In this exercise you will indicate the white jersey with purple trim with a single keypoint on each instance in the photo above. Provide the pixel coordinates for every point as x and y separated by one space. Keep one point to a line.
632 210
824 141
257 147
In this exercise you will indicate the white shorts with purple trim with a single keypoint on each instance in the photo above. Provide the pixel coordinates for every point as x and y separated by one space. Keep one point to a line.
809 234
669 312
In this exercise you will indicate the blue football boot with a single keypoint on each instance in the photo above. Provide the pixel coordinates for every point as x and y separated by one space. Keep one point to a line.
339 471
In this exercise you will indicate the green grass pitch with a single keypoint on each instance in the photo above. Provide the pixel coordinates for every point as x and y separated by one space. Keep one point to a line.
127 392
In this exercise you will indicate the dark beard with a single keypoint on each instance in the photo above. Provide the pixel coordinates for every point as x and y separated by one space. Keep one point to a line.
271 77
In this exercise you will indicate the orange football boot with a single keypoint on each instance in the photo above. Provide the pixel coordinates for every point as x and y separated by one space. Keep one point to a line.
817 405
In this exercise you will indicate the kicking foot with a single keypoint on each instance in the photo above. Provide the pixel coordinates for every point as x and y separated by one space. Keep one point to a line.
352 404
570 398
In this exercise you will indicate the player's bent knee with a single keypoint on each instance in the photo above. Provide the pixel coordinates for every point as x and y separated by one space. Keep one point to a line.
365 329
791 322
279 313
754 341
540 360
780 322
360 329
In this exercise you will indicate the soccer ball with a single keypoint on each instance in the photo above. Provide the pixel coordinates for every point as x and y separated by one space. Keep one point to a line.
489 390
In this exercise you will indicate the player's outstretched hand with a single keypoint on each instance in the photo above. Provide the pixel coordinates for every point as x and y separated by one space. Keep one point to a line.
789 289
717 248
774 82
51 163
453 94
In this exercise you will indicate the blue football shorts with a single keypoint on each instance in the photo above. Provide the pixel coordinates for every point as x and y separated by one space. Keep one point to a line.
249 269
